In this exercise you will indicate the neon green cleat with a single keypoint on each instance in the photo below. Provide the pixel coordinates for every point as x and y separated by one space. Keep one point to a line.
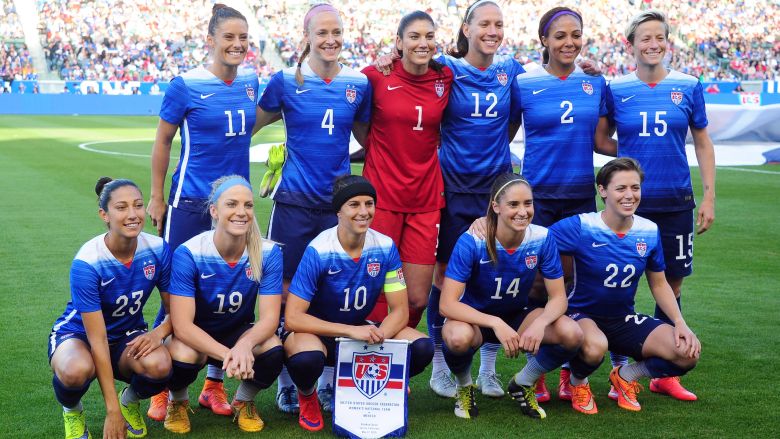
134 420
76 425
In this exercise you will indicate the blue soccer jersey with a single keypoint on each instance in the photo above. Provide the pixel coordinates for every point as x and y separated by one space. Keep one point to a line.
652 124
99 282
502 289
318 118
225 295
607 268
559 118
215 124
339 288
475 130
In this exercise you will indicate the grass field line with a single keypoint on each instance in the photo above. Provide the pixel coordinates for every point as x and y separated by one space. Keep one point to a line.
755 171
86 147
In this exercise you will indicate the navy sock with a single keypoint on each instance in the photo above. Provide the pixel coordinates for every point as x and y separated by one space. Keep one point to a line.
305 368
182 375
160 316
580 369
421 351
660 315
618 359
69 396
146 387
435 320
551 356
268 366
660 368
458 363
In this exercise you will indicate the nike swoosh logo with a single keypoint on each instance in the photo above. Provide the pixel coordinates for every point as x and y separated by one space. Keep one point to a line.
102 283
536 92
596 245
330 271
202 96
482 261
206 276
627 99
310 423
688 264
301 91
461 76
393 88
588 407
630 401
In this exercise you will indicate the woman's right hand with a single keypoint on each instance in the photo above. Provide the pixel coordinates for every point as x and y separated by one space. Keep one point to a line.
114 426
385 63
156 210
368 333
508 337
479 228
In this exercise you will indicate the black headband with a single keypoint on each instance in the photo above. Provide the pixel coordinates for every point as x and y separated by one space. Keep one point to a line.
352 190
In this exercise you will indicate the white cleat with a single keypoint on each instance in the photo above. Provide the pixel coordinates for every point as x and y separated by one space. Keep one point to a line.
443 384
490 385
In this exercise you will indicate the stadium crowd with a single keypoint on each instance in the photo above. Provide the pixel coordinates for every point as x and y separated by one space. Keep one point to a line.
159 39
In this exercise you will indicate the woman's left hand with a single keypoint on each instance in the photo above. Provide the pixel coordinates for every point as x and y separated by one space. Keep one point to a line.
143 345
590 67
690 343
239 361
531 338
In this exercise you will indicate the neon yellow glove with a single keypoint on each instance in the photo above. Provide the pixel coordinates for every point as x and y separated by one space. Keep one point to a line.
276 157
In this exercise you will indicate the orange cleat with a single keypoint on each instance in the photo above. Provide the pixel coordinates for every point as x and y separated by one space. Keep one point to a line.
582 399
627 391
671 386
246 416
213 397
564 385
310 415
158 406
542 394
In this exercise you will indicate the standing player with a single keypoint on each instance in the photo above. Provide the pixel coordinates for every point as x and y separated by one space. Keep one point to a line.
653 108
401 155
213 107
102 331
320 101
343 273
611 250
485 298
217 278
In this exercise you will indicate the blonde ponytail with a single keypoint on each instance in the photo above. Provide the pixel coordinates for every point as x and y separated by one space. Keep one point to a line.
254 246
298 73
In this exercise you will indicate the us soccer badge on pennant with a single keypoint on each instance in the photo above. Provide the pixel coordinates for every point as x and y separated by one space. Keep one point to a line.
370 393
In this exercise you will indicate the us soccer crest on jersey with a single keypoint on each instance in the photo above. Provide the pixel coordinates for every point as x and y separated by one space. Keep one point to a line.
351 93
370 396
677 97
587 87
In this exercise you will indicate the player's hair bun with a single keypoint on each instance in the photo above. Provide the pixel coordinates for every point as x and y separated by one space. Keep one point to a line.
101 183
217 7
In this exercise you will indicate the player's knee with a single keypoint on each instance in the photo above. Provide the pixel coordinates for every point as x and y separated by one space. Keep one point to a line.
268 366
76 373
571 334
418 303
421 355
593 349
457 341
156 366
685 362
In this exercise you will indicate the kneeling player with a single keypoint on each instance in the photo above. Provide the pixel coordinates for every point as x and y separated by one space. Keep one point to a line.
342 274
485 298
611 250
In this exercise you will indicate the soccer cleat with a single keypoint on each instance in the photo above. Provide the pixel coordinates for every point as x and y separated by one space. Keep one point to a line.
134 420
157 406
542 394
325 396
627 391
526 396
465 403
613 393
287 400
310 416
490 385
176 418
213 397
443 384
582 399
564 385
76 425
246 416
671 386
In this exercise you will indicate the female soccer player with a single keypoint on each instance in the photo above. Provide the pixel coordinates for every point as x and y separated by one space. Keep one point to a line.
343 272
401 155
102 331
217 279
653 108
213 107
320 100
485 298
611 250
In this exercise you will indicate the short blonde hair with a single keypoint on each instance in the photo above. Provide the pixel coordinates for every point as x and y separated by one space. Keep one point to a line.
644 17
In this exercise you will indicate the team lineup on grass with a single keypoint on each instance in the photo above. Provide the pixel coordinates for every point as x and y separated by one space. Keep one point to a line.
438 224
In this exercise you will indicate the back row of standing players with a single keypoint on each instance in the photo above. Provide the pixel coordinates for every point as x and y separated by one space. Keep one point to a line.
468 105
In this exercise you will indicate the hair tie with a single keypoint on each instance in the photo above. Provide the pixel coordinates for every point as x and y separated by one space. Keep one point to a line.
316 9
556 15
227 184
514 180
474 6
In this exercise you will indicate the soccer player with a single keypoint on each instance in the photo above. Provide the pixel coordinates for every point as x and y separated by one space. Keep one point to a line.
102 331
611 250
320 100
219 278
213 108
564 115
485 298
341 276
653 109
401 155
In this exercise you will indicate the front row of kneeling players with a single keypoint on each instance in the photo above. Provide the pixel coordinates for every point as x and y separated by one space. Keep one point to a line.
214 282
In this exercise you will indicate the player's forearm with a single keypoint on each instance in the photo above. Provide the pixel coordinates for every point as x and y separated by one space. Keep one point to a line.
160 160
705 156
199 340
98 340
455 310
308 324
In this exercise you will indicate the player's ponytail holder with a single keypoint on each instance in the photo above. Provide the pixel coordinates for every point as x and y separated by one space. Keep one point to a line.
227 184
360 186
504 186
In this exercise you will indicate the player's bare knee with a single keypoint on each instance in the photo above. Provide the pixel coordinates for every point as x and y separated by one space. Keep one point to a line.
593 349
76 372
418 302
458 341
156 366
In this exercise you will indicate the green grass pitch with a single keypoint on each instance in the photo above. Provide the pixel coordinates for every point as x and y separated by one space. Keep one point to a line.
49 210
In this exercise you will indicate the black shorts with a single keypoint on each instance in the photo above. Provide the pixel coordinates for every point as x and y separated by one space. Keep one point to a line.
115 348
676 239
626 335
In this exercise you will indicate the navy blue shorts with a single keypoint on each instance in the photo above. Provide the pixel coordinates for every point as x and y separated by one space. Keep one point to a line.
625 335
456 218
294 227
329 342
229 339
190 219
677 240
549 211
514 322
115 348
